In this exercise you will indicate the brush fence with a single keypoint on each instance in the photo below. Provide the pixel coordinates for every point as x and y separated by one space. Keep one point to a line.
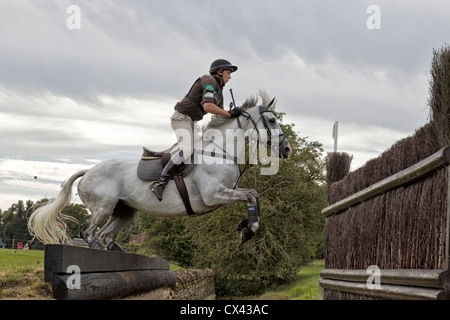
391 239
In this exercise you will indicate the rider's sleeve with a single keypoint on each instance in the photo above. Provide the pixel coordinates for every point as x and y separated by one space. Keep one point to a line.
209 89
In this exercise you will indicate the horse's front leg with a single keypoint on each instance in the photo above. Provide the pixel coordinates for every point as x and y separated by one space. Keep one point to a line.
248 226
224 195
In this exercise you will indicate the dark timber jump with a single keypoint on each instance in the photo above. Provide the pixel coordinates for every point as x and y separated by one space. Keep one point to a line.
103 274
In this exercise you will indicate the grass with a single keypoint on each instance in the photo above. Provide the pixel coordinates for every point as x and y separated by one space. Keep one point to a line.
174 267
22 274
305 287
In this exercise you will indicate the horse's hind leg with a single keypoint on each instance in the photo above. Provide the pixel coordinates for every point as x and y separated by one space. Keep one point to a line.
120 218
100 214
88 232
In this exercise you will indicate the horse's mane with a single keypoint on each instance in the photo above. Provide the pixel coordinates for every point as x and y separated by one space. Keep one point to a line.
250 102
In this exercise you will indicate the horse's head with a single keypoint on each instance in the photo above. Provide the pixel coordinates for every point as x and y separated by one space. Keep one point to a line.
267 129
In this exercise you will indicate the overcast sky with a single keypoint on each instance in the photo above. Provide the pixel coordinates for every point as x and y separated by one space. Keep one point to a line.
70 97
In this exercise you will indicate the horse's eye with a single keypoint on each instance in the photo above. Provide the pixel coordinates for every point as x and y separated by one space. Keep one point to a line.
272 120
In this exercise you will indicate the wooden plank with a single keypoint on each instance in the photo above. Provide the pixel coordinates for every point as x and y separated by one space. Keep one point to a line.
108 285
59 257
415 172
387 291
410 277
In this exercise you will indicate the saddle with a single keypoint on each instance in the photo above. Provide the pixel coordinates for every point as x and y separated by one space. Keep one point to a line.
151 166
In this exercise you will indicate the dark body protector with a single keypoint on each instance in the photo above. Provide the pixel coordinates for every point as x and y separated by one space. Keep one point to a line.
205 89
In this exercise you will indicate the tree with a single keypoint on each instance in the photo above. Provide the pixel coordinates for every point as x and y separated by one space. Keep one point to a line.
169 238
13 222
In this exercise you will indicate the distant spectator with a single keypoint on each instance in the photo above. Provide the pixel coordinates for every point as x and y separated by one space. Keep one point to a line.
26 247
2 245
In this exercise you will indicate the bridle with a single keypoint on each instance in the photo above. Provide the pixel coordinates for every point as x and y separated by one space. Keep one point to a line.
262 109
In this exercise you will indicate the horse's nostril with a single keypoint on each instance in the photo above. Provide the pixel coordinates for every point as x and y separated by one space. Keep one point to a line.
288 150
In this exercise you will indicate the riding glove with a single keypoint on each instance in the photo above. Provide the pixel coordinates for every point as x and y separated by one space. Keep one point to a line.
235 112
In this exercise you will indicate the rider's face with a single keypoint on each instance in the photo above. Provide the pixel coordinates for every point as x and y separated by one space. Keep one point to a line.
226 76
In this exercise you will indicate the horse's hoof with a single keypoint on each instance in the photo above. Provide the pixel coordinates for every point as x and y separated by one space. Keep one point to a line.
246 234
95 244
242 224
114 247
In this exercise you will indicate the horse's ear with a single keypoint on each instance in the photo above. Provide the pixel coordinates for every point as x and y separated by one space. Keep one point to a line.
272 103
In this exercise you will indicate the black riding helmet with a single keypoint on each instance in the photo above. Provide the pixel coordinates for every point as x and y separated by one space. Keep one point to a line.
221 64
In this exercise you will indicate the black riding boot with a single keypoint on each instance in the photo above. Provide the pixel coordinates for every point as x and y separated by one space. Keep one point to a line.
170 169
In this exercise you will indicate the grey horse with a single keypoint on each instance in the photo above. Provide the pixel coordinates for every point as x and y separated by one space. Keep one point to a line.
112 191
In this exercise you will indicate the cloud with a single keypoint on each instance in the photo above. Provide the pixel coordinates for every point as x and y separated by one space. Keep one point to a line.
34 180
55 125
42 170
121 50
146 48
332 90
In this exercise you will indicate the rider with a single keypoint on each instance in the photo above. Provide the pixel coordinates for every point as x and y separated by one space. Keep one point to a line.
205 96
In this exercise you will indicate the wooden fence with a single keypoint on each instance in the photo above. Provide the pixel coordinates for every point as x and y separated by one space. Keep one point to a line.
400 225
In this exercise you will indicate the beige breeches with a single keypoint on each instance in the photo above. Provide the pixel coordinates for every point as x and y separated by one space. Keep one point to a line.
184 129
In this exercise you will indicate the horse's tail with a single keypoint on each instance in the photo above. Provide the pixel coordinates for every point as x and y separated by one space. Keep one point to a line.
47 222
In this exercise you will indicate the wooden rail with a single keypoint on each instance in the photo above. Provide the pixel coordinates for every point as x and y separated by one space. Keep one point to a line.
402 284
413 277
408 175
396 292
